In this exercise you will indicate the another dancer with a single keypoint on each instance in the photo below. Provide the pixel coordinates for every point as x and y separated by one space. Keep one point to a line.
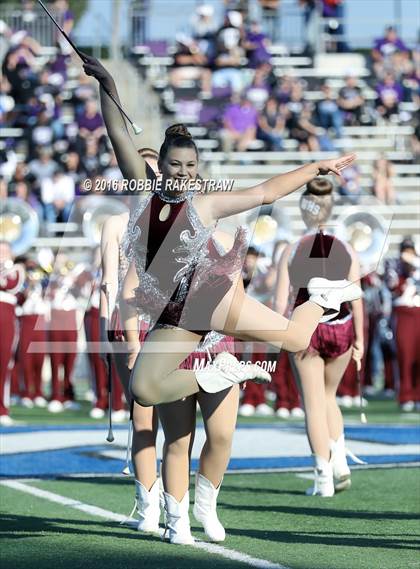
320 368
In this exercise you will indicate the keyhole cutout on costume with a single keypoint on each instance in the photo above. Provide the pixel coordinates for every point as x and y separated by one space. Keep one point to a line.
165 212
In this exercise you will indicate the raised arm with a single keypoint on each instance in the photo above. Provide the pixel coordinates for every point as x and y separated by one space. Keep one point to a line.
130 163
223 205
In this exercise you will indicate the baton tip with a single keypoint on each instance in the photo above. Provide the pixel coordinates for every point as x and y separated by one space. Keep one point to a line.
137 129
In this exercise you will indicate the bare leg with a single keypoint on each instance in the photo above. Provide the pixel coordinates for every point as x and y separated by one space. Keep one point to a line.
156 378
311 369
178 422
334 371
245 318
219 413
145 424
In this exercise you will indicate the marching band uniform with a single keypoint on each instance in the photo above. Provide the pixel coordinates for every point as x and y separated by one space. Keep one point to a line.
62 329
11 280
32 311
403 279
98 367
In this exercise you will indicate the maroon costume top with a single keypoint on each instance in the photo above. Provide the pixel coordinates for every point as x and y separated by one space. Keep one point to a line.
183 272
323 255
318 255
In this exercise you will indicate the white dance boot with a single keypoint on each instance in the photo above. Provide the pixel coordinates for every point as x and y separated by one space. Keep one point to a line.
341 470
148 507
324 481
177 528
330 294
205 508
225 370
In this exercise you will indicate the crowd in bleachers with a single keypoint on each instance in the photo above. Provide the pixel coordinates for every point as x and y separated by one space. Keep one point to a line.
53 135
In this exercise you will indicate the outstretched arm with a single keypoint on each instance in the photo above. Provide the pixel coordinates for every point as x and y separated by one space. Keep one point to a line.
223 205
130 163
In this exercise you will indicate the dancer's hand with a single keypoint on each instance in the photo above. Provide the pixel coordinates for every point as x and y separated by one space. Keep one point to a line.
93 67
357 352
336 165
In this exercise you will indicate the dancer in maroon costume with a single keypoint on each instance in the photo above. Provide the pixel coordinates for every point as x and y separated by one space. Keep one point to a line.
321 366
189 287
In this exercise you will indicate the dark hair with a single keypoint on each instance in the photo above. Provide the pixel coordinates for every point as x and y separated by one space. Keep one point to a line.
177 136
319 187
407 243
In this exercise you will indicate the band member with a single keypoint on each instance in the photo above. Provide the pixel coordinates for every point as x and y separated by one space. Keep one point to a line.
62 335
33 310
403 278
11 281
321 366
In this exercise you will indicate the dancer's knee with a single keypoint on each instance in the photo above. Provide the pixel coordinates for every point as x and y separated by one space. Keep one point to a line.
221 440
178 447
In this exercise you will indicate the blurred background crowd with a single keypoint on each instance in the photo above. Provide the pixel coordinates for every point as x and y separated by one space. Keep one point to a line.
256 105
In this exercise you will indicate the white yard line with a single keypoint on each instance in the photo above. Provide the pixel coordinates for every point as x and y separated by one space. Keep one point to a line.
101 513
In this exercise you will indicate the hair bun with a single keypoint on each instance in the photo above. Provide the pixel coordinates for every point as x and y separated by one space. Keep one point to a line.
319 187
177 130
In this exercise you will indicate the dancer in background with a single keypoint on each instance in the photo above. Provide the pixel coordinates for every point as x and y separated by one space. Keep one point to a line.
321 366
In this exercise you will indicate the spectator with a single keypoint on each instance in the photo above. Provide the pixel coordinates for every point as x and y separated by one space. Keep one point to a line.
390 95
240 125
190 64
57 195
271 124
350 186
65 15
204 29
229 52
328 112
383 186
333 13
41 134
91 124
44 166
74 169
256 44
21 191
299 121
259 90
351 101
91 160
385 47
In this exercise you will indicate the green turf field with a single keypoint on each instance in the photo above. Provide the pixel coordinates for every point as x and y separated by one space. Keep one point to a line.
377 412
375 525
